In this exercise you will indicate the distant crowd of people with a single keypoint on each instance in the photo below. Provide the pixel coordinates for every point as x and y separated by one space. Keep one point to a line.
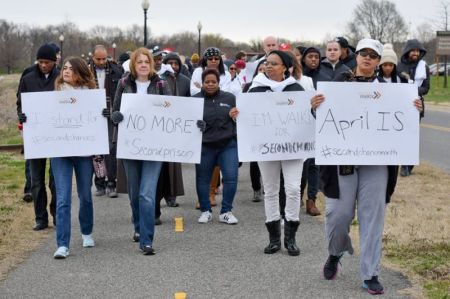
218 80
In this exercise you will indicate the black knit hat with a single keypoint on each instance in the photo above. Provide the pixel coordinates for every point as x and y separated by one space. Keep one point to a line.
46 51
211 51
285 58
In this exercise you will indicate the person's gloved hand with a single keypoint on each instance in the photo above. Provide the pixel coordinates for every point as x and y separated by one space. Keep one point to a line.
22 118
201 124
116 117
106 113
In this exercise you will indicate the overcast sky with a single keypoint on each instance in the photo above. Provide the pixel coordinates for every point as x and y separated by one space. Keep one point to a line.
239 20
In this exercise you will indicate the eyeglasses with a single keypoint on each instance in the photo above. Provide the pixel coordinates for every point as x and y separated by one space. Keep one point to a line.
213 58
372 55
232 68
272 63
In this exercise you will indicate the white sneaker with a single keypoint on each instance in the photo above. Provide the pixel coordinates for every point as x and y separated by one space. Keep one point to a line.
61 253
205 217
228 218
87 241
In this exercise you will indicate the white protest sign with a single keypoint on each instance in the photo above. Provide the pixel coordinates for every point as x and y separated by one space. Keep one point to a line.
64 123
160 128
367 124
274 126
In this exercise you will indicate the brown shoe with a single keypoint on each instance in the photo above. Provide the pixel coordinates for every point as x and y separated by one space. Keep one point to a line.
311 208
197 206
212 200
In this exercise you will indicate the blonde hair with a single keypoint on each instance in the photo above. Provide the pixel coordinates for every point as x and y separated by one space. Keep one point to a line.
134 57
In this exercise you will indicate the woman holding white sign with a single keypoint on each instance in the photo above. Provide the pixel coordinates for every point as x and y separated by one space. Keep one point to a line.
371 186
142 176
277 78
74 75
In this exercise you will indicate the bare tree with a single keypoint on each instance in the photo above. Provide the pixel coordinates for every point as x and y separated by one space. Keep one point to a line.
378 20
12 45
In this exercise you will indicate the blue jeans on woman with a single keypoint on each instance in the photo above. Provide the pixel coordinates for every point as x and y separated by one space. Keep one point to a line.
62 171
227 159
142 180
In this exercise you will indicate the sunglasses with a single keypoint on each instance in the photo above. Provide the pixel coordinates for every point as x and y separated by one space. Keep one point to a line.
213 58
372 55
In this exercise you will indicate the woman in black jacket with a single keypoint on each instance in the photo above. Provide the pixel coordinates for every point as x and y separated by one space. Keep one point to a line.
344 185
219 147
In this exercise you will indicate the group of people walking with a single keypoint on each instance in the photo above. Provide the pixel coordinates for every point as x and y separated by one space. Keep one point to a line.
280 183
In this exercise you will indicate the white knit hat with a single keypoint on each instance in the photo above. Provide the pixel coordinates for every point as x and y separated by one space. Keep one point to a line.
388 55
368 43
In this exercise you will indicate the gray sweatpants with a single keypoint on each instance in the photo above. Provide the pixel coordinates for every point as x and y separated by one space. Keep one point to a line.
366 188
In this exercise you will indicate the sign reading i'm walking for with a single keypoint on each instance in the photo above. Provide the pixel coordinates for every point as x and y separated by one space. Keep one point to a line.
64 123
160 128
367 124
274 126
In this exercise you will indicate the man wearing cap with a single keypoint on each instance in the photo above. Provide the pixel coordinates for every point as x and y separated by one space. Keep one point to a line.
107 74
413 69
41 78
347 56
367 187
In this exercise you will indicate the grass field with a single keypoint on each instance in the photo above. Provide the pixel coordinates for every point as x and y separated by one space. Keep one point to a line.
438 94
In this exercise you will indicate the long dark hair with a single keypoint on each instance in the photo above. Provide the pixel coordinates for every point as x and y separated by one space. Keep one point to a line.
81 72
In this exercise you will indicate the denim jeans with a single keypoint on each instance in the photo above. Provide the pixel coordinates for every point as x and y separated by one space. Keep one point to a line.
39 192
142 180
62 171
227 159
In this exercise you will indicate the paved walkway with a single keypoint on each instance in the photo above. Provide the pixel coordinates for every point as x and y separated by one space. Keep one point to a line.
205 261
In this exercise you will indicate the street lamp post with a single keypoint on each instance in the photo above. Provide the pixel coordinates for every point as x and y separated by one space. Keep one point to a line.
145 6
61 41
114 51
199 27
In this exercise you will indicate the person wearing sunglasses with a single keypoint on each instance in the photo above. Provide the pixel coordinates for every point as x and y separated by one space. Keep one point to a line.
343 186
212 59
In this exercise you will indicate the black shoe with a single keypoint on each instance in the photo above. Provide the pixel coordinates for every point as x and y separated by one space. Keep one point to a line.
404 171
373 286
136 237
100 192
27 197
172 202
330 269
111 191
290 230
147 250
40 226
158 221
274 230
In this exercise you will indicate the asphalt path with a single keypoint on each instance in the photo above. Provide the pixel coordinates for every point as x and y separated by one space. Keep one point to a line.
212 260
435 137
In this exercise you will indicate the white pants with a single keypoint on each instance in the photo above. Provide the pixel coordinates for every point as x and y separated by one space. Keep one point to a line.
292 173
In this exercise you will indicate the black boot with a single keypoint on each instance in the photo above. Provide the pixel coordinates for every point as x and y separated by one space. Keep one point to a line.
274 230
290 229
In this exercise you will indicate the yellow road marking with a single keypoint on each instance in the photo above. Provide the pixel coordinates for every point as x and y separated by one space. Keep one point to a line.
439 128
179 224
180 295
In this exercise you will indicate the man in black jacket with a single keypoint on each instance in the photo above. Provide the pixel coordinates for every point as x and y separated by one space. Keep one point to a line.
348 57
107 74
413 68
183 83
41 78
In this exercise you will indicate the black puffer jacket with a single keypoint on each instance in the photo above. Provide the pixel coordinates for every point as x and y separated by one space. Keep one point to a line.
409 67
328 72
35 81
220 128
183 83
329 179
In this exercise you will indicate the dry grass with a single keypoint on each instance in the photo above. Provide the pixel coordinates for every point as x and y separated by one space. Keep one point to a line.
417 231
8 89
17 239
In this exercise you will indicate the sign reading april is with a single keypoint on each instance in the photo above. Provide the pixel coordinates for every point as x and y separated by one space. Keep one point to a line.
275 126
367 124
160 128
